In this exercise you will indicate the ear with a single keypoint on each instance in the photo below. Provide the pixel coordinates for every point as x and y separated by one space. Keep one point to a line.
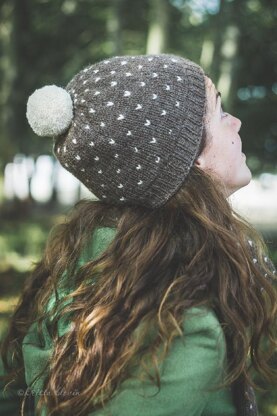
200 161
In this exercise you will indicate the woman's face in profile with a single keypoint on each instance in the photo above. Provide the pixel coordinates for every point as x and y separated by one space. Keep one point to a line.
222 155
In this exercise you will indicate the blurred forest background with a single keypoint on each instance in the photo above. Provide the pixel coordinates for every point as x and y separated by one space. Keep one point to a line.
47 42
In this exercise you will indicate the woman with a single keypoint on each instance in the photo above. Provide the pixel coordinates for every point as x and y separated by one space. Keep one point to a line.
157 299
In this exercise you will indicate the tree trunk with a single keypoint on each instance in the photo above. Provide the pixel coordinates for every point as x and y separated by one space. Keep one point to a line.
7 74
207 55
158 27
23 56
227 80
114 27
219 24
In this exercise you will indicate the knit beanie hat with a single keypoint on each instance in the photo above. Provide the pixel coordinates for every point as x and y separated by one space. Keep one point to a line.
129 127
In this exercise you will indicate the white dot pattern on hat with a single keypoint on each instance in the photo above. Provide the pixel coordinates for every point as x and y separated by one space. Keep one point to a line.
130 105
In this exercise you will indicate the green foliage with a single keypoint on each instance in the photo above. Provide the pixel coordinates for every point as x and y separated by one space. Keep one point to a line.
47 42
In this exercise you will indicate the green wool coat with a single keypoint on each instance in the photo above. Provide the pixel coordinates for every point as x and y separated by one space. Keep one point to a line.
195 362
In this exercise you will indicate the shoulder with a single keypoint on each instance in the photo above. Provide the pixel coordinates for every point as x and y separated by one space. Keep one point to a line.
197 360
203 334
193 365
203 342
201 319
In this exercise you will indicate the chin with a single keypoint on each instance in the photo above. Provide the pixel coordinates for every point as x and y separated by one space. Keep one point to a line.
248 176
239 186
241 183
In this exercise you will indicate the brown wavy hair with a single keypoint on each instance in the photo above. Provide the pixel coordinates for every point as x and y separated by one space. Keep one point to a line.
192 251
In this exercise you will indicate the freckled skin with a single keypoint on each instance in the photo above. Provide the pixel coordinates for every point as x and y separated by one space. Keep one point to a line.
222 155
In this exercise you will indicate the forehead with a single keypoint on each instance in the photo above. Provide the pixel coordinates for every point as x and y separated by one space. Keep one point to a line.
211 94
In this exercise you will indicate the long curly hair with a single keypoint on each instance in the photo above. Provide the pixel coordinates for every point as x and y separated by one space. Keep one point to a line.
192 251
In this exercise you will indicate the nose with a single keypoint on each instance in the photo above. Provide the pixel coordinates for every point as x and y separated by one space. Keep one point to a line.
237 123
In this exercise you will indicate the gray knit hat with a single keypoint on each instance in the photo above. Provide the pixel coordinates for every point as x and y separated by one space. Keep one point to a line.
129 128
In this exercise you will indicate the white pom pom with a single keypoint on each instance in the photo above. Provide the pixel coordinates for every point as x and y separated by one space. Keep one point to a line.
49 111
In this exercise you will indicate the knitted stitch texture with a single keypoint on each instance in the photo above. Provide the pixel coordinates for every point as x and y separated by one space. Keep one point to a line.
136 129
